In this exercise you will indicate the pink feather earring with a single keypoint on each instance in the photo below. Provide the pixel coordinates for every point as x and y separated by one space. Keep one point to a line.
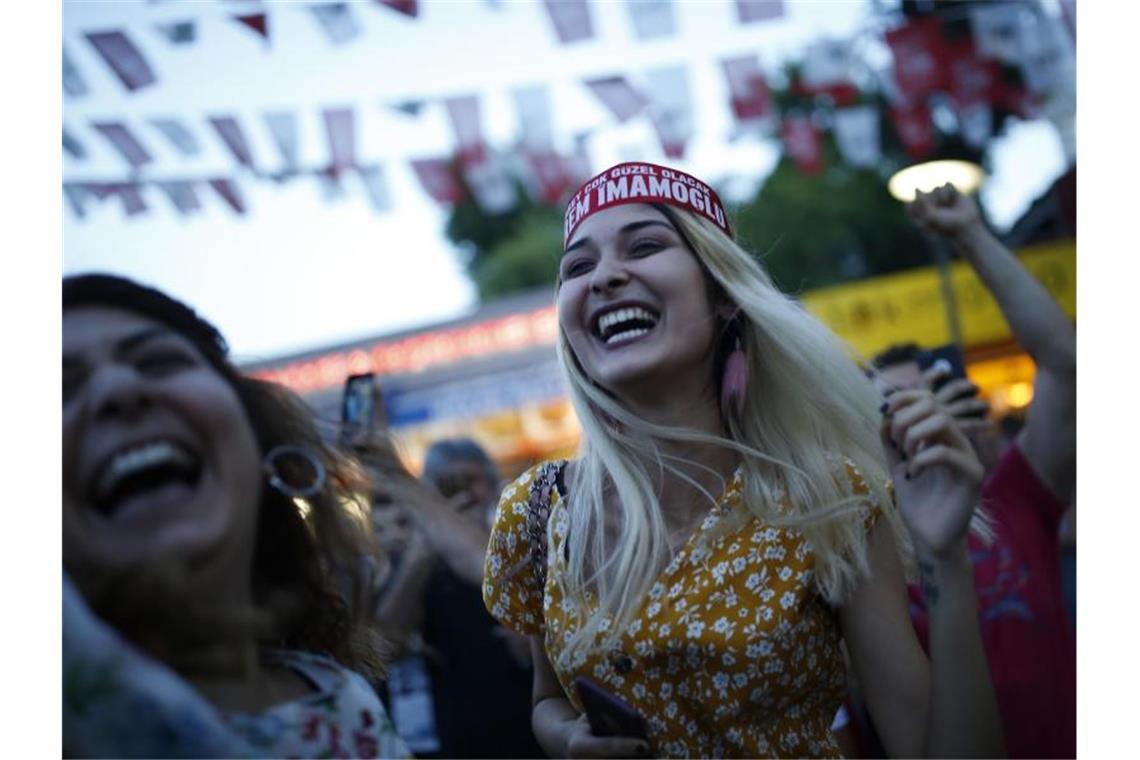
734 382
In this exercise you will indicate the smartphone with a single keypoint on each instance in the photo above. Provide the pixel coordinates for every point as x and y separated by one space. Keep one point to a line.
608 714
948 354
358 404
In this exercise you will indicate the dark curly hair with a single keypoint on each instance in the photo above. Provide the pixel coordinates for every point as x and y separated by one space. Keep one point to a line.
311 584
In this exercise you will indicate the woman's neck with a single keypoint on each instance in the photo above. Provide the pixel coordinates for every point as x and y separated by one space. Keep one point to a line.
709 465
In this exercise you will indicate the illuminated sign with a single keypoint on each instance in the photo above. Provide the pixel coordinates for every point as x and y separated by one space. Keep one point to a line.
417 353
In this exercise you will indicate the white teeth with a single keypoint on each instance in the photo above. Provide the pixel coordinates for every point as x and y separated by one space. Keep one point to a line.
612 318
626 335
134 460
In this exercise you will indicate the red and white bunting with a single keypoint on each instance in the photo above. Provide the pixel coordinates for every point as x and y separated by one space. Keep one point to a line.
827 63
532 104
857 135
915 129
178 136
73 83
748 89
230 131
463 112
619 96
409 8
283 129
337 21
552 176
571 19
918 48
182 196
377 187
117 50
671 108
340 127
228 191
803 144
124 142
748 11
653 19
128 192
492 187
438 180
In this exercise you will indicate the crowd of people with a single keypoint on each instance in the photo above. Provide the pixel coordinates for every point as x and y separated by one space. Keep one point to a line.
761 548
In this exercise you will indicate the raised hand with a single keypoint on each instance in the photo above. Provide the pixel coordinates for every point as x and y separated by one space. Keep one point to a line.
958 398
582 742
936 473
945 211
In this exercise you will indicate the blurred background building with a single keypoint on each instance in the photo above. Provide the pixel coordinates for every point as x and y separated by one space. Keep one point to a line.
386 178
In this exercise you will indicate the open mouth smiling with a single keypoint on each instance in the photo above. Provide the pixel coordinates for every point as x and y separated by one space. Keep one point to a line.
622 324
156 470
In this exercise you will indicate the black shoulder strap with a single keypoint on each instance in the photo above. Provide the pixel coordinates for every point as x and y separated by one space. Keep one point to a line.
546 481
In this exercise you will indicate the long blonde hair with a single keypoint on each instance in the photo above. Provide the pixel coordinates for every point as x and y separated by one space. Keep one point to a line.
808 414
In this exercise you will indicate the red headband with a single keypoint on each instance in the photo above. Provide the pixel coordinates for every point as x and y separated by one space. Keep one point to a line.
638 182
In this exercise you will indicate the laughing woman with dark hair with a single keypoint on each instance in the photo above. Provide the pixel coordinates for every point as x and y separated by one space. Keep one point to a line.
212 546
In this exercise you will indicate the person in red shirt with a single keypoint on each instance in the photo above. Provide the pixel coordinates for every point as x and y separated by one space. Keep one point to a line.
1030 645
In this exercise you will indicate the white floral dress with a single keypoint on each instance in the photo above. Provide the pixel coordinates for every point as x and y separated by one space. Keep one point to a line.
733 654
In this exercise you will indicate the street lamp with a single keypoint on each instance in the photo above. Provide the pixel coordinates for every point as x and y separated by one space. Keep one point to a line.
967 177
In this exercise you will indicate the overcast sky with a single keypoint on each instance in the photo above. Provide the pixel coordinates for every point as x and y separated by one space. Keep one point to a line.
299 272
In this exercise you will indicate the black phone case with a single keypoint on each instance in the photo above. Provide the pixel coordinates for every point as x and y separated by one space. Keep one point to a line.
608 714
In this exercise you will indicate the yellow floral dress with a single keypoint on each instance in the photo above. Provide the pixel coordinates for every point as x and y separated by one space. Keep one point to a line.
733 653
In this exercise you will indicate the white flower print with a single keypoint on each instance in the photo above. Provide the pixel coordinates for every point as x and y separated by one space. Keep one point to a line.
728 659
724 627
666 690
653 609
785 573
643 648
730 598
739 564
664 630
639 691
676 590
787 600
600 671
739 680
721 681
634 627
696 628
519 508
766 648
656 590
719 571
767 594
753 582
765 613
671 710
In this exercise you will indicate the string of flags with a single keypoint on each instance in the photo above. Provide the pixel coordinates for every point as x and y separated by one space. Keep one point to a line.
998 58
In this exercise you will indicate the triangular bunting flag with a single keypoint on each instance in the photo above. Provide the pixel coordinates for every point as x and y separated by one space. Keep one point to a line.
229 130
802 144
619 96
340 126
124 141
328 180
73 147
857 135
671 108
463 112
748 11
258 22
337 21
116 49
406 7
653 19
178 135
751 99
571 19
73 83
377 187
228 191
76 196
533 107
492 187
182 196
435 175
283 128
178 33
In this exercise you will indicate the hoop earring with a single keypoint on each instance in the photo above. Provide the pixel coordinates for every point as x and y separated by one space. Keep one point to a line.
272 471
734 381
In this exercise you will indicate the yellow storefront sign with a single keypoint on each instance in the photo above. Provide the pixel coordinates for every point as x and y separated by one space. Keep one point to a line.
908 307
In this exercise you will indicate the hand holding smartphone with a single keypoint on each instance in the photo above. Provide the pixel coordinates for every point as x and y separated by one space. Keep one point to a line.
608 714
